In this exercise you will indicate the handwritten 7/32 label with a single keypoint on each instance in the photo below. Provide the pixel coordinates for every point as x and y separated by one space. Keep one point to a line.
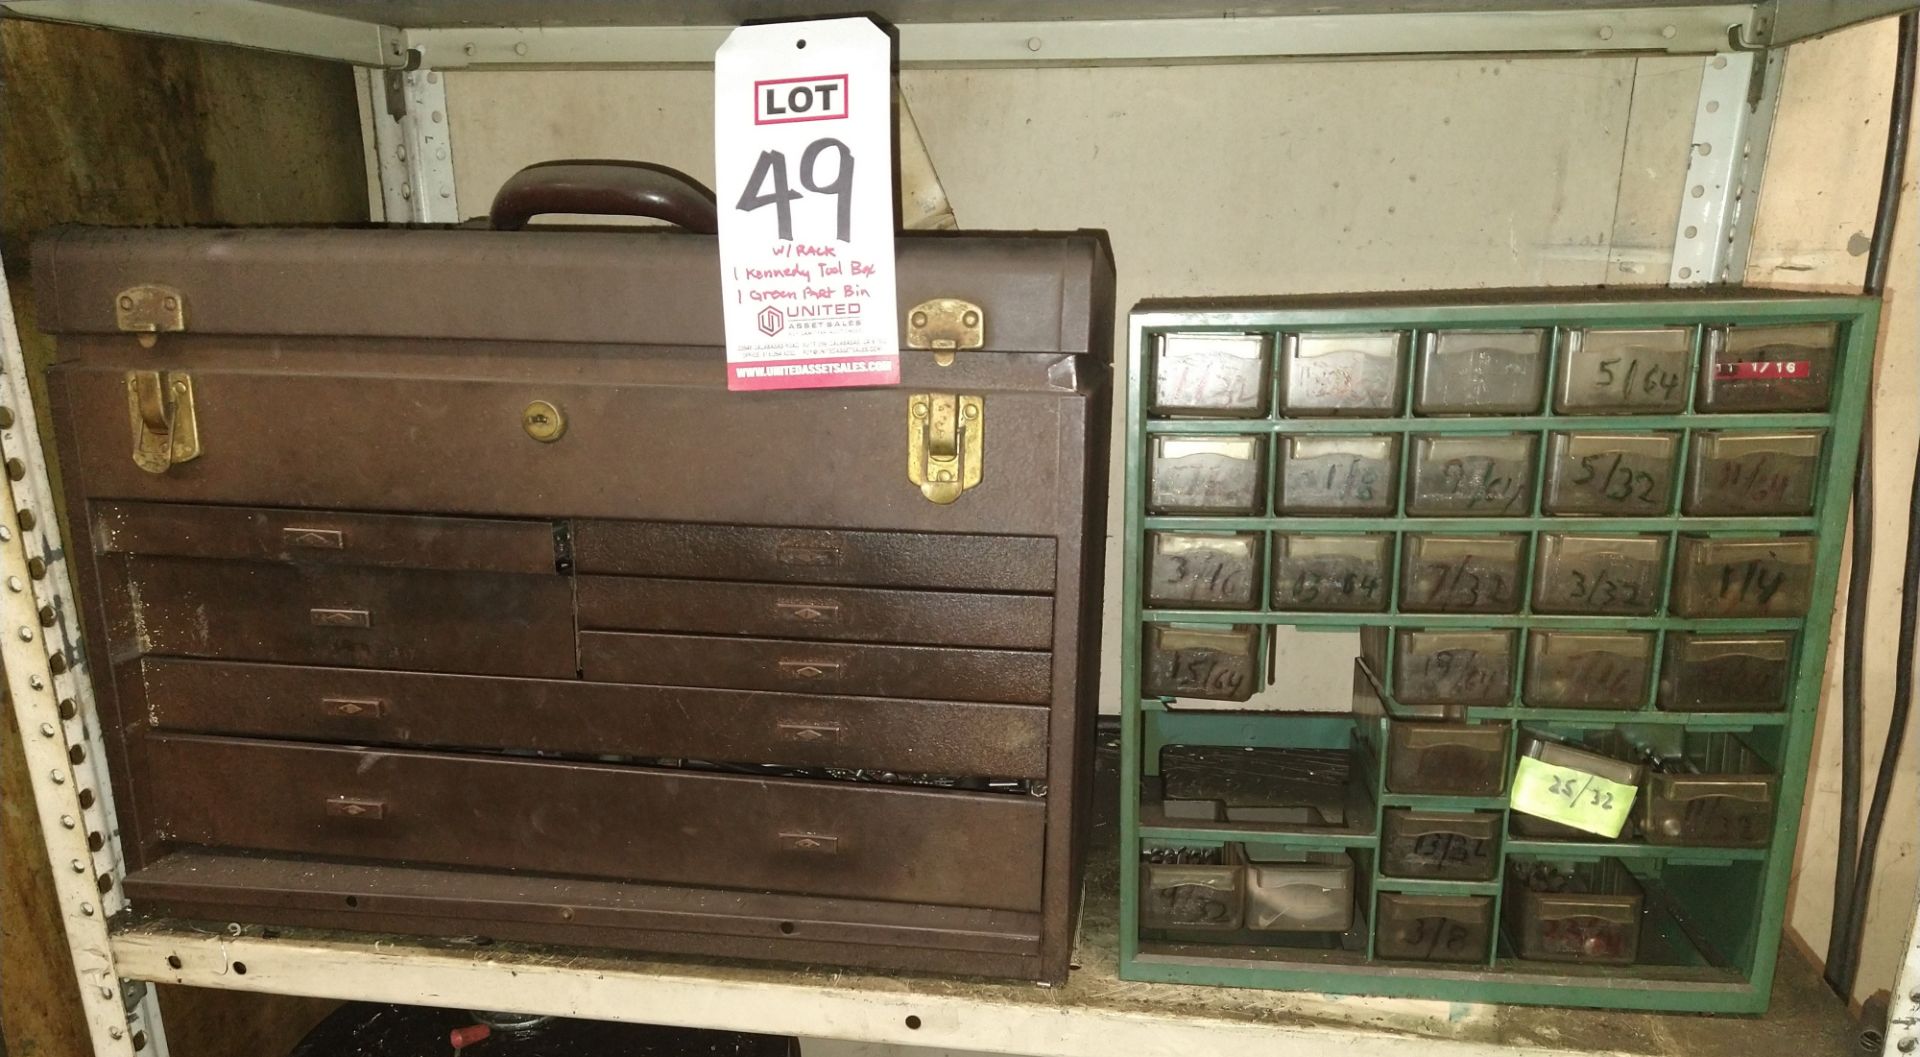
1571 797
803 157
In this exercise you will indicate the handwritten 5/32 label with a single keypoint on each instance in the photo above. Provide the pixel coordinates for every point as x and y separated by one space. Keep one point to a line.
1571 797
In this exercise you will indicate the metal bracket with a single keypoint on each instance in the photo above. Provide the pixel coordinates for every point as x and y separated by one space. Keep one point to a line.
413 147
150 310
945 444
47 678
1732 126
945 324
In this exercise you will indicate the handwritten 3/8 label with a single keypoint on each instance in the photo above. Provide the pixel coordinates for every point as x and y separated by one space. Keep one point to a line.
1571 797
803 147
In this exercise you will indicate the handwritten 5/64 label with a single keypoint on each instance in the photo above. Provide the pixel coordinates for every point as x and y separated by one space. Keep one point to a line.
1571 797
803 149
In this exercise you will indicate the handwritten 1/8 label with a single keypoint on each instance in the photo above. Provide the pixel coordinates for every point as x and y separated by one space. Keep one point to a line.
1571 797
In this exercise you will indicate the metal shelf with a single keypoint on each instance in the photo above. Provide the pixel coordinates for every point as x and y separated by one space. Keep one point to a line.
490 33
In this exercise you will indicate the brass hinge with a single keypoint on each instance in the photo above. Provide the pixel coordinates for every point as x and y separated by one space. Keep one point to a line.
944 443
165 429
150 310
945 324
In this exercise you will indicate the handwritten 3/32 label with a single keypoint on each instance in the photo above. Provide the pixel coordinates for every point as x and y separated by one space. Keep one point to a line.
803 158
1571 797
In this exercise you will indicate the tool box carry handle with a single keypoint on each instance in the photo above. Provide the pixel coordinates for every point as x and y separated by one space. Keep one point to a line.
608 188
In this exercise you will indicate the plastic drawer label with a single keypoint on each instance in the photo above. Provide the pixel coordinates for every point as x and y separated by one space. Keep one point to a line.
1465 372
1434 928
1472 475
1446 759
1743 577
1601 575
1354 475
1207 475
1331 573
1767 368
1588 669
1189 893
1211 374
1434 667
1211 662
1342 374
1461 574
1726 673
1610 474
1624 372
1455 847
1203 570
1747 474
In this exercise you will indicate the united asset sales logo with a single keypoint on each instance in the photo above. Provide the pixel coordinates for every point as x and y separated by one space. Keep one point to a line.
790 99
772 321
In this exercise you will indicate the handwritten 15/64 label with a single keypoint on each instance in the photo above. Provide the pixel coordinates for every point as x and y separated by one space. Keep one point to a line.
803 160
1571 797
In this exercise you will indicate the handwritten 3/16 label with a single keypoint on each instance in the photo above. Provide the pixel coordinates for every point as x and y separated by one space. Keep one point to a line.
1571 797
803 159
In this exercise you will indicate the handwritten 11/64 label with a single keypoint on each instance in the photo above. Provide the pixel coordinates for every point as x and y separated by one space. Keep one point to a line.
803 163
1571 797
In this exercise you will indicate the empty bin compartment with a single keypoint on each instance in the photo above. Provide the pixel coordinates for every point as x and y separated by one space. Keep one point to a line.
1624 372
1299 891
1216 375
1342 374
1203 570
1601 575
1331 573
1768 368
1192 889
1743 577
1461 574
1610 474
1482 475
1737 474
1338 474
1211 661
1446 845
1446 759
1726 673
1285 789
1460 667
1434 928
1578 912
1588 669
1718 793
1464 372
1207 475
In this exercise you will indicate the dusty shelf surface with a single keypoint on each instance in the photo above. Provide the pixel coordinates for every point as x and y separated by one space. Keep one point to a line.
1094 1013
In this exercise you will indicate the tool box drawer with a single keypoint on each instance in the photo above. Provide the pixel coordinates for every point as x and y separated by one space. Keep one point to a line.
1007 676
569 716
814 556
595 820
854 614
482 623
456 544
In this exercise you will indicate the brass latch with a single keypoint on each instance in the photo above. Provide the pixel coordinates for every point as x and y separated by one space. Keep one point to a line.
150 310
944 443
945 324
165 430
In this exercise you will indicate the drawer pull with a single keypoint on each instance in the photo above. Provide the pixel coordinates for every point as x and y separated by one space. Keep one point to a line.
810 733
313 538
353 707
808 612
340 618
810 555
812 843
356 807
810 670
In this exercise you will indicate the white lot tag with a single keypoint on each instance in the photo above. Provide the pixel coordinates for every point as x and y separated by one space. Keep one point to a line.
803 157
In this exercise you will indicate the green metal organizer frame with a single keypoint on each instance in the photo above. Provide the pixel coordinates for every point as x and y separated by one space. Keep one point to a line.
1742 981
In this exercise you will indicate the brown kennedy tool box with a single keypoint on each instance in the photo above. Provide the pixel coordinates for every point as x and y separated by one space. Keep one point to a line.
435 583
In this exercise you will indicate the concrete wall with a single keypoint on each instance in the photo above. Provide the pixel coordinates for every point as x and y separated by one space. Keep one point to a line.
1321 176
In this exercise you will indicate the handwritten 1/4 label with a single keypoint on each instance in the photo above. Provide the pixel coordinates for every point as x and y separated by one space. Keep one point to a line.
803 148
1571 797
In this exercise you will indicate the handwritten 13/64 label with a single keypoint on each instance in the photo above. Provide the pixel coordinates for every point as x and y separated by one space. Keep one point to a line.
803 156
1571 797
